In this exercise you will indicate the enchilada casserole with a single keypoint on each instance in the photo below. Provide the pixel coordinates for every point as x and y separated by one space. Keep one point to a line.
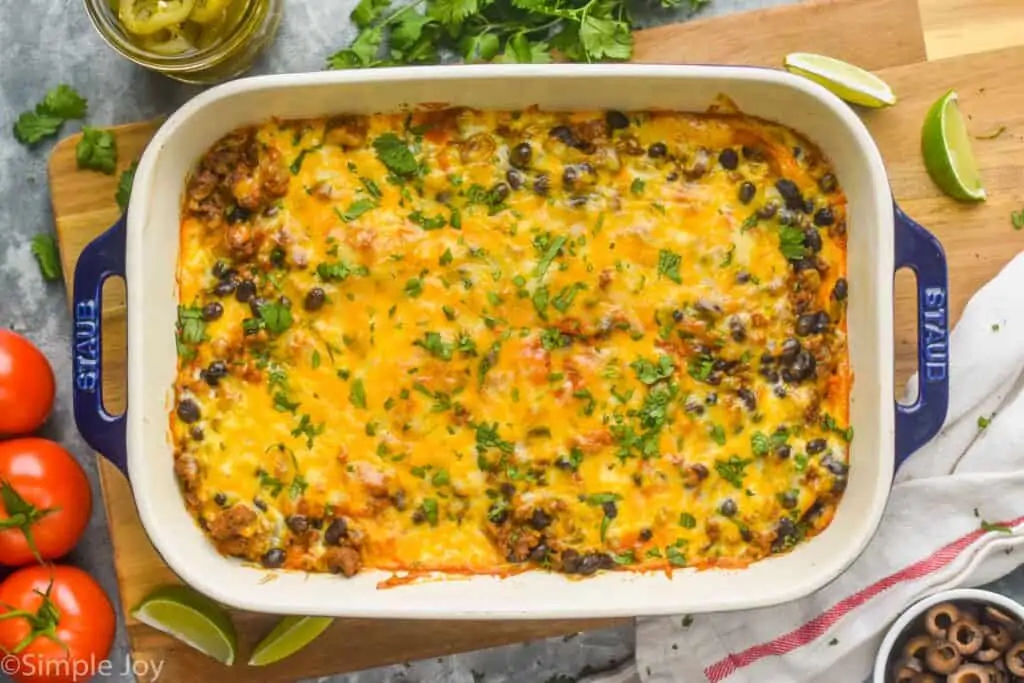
478 341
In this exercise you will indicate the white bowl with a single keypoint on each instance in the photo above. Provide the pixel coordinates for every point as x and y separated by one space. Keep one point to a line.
914 612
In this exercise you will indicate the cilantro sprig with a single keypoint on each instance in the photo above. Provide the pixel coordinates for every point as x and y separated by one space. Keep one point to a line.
59 105
523 31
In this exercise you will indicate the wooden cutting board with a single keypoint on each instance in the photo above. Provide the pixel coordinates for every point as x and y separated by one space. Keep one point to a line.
886 35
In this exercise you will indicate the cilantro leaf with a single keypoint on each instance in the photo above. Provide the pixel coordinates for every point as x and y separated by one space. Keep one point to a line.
565 297
276 317
357 394
367 11
396 155
97 150
434 344
428 223
668 265
452 13
63 102
31 128
482 47
362 52
732 470
549 255
356 209
124 186
44 248
339 271
791 243
650 373
606 38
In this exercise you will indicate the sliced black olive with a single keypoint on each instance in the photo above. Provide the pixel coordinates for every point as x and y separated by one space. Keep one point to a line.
273 558
939 618
815 446
827 183
943 658
245 291
672 177
742 277
216 371
824 217
790 194
212 311
616 120
542 184
297 523
657 150
315 299
337 530
711 399
841 290
188 411
747 192
260 505
515 178
808 206
729 159
499 193
521 155
728 507
540 520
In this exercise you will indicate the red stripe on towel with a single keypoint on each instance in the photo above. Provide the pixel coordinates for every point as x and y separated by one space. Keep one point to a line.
818 626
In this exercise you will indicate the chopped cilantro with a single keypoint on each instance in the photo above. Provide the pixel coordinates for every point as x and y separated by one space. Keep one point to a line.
356 209
551 339
717 434
983 422
649 372
357 394
428 223
276 317
429 510
668 265
675 556
414 287
44 248
637 186
565 297
282 404
687 521
308 429
549 255
446 258
339 271
395 155
732 470
435 345
759 443
97 150
791 243
271 483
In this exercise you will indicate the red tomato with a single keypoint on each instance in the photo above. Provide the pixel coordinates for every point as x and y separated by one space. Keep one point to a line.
70 607
26 385
45 494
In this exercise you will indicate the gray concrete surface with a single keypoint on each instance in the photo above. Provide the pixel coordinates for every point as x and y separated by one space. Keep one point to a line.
46 42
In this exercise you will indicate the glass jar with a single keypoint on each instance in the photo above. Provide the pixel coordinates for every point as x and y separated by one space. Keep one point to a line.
230 55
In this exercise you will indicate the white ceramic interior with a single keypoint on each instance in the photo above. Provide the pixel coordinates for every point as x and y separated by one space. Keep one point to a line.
913 613
152 247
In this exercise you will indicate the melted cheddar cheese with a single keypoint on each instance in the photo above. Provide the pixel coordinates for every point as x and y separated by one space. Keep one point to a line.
480 341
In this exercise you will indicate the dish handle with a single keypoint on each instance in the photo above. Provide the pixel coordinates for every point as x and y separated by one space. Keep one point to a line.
102 258
919 250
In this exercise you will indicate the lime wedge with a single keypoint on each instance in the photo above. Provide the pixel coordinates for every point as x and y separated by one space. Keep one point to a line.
947 151
849 82
192 618
289 636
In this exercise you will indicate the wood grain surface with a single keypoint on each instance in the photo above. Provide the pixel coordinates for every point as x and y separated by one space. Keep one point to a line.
887 35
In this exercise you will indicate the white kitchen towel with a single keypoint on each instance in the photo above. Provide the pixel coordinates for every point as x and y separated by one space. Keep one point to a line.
933 535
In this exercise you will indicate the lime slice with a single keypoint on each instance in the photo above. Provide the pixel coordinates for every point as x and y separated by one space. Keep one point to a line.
289 636
146 17
947 151
192 618
847 81
205 11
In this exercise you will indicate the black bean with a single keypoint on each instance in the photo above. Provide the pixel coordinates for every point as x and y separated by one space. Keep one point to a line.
797 152
220 499
657 150
729 159
672 177
317 523
677 315
790 194
809 263
805 324
540 553
699 470
542 184
271 210
790 348
212 311
743 277
515 178
768 210
255 304
398 500
737 330
832 465
708 308
714 379
225 287
827 183
563 463
188 411
616 120
646 535
564 135
237 214
337 530
260 505
785 533
197 433
315 299
273 558
816 446
752 153
747 192
787 217
711 399
521 155
540 520
498 514
779 391
220 270
789 499
748 397
245 291
803 366
812 240
570 560
508 489
277 256
841 290
808 206
591 562
694 408
609 509
728 507
824 217
216 371
297 523
443 197
821 322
